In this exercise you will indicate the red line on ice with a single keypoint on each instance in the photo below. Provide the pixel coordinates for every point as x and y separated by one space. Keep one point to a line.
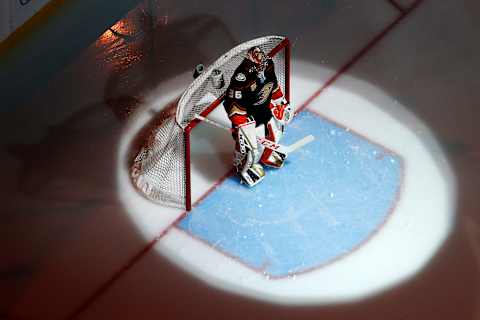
358 56
397 5
132 261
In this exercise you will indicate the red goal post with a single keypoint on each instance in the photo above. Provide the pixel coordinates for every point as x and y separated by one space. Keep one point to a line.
162 169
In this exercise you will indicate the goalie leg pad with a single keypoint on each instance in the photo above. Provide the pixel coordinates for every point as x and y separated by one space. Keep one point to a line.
249 170
270 157
247 140
275 159
247 154
253 175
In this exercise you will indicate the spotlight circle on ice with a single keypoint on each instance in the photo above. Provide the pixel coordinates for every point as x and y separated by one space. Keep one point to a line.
360 207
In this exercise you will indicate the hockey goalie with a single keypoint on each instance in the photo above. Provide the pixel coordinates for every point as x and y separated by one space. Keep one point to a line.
258 111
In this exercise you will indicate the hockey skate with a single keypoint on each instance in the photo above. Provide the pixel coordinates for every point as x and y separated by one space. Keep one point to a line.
252 175
273 159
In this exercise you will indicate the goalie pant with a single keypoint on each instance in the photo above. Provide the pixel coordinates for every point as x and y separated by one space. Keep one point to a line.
256 107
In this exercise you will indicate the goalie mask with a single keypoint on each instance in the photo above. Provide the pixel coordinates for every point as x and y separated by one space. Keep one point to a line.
258 57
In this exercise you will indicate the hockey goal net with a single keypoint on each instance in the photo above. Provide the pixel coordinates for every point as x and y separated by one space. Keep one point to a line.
161 171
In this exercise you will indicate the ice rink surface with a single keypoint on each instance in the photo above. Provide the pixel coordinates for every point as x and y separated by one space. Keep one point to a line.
346 187
396 78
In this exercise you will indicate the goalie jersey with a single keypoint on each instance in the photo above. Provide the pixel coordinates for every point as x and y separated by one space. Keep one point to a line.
250 92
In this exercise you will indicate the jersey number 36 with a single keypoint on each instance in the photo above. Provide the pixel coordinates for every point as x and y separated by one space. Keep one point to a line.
234 94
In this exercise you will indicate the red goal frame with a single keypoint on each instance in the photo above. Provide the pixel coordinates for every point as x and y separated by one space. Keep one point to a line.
283 45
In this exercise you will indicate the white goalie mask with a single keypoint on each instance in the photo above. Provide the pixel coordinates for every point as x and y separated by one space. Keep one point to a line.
258 57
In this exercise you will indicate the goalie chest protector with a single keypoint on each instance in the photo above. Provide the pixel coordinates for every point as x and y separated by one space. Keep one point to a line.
250 91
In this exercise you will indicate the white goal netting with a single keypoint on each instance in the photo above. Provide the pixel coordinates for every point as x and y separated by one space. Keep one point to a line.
161 169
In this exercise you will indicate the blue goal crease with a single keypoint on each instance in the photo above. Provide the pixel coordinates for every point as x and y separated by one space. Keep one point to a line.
330 196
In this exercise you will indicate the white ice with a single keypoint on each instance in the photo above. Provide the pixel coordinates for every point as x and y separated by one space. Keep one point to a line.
70 228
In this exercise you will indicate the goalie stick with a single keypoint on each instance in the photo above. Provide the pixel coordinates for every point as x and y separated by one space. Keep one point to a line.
285 149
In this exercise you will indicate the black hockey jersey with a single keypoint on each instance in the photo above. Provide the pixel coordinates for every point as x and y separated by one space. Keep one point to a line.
250 91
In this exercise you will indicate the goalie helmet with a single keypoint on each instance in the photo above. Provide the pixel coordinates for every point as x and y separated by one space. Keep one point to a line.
258 57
